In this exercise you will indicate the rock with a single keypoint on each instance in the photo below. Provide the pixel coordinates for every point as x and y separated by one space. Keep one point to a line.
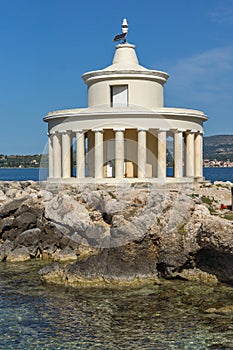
32 205
228 184
66 211
211 310
52 272
25 221
29 239
224 310
46 195
93 199
84 250
216 233
125 232
215 256
18 254
216 263
5 249
6 223
10 207
114 206
197 275
66 254
126 264
95 235
73 242
3 197
10 234
50 237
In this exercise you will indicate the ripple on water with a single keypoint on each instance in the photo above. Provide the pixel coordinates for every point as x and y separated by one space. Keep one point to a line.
34 315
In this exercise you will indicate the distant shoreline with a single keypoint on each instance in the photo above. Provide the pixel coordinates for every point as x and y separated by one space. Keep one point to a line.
206 167
23 168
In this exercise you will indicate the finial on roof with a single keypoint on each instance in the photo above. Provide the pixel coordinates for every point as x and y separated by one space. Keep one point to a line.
124 29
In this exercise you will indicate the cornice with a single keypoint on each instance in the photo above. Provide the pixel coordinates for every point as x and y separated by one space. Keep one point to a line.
94 76
127 112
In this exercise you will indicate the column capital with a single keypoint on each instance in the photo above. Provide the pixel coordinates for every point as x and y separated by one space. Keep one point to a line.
98 130
142 129
178 130
190 131
162 130
67 132
56 133
78 131
118 129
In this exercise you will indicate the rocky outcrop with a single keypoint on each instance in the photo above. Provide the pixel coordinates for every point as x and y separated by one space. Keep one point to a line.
121 233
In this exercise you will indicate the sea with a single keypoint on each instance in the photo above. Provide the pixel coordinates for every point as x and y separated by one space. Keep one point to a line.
172 315
40 174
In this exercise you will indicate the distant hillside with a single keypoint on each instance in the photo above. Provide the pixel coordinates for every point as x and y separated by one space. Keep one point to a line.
218 147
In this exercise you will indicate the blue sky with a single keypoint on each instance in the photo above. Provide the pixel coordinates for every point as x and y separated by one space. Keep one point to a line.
46 45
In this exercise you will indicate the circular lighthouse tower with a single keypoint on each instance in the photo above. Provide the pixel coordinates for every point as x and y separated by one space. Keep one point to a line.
125 131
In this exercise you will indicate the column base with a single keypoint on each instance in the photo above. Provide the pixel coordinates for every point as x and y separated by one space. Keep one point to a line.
121 181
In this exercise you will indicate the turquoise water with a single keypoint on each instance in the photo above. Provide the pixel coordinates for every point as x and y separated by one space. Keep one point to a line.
36 174
34 315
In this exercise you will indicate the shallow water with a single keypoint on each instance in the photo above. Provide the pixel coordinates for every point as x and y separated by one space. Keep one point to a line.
34 315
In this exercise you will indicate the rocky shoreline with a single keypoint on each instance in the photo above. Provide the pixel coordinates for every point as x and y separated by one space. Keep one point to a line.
101 234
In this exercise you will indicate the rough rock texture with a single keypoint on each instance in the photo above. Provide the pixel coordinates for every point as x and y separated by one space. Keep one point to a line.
125 232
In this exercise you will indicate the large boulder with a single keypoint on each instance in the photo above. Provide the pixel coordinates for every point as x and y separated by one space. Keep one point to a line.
30 239
64 210
215 238
11 206
120 264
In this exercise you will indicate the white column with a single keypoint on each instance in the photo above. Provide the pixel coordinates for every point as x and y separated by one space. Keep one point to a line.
198 157
99 154
162 157
189 163
90 155
119 153
66 154
80 155
57 155
141 153
50 154
178 153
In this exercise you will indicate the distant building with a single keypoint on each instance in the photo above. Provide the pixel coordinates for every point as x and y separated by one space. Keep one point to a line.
123 132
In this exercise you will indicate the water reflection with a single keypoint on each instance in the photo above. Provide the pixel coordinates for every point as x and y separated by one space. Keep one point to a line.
171 316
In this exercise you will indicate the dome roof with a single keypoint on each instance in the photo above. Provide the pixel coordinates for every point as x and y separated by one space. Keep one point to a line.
125 63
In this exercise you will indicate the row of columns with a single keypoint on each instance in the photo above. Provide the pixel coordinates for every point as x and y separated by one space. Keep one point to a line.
60 155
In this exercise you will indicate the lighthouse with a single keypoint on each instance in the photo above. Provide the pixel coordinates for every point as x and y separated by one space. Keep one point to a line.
125 131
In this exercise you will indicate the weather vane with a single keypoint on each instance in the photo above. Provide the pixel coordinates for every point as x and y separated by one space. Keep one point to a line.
124 29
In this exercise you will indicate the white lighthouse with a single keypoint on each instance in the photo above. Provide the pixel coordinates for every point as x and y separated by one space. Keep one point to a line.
124 131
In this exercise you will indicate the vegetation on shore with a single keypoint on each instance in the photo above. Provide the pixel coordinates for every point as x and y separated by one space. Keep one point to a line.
21 161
